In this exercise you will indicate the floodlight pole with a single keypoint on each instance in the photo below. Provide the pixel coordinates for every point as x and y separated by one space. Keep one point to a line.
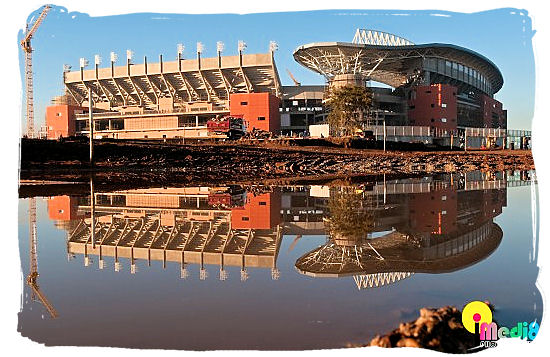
91 125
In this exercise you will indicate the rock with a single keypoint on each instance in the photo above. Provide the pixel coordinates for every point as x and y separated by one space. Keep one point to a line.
437 329
407 342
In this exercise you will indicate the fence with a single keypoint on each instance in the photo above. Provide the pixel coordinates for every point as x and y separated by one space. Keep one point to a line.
413 131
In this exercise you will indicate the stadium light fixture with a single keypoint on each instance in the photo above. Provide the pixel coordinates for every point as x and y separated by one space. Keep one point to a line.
129 55
200 47
220 46
242 46
114 57
83 62
273 46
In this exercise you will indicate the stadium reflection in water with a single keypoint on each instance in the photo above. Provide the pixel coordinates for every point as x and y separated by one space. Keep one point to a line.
367 233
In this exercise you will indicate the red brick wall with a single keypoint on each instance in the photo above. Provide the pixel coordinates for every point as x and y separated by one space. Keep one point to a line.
60 120
428 105
490 107
260 212
434 212
493 201
253 106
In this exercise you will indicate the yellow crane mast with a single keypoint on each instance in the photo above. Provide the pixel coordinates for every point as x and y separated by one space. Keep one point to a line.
33 262
27 49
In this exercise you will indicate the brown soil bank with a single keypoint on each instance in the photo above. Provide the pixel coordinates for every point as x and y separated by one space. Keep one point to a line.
68 160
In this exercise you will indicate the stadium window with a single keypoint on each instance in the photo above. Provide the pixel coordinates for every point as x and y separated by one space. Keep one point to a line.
262 203
244 103
443 105
443 120
411 106
428 91
433 120
245 219
58 114
432 105
261 118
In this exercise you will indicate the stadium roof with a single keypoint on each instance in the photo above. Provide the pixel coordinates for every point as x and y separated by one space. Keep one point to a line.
393 60
392 253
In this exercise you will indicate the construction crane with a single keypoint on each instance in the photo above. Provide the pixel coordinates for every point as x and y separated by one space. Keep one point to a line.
27 49
32 278
293 79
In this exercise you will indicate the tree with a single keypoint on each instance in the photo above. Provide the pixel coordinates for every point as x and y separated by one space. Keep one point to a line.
347 107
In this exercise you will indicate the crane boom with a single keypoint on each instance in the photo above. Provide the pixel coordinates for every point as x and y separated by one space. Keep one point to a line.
293 79
26 41
27 49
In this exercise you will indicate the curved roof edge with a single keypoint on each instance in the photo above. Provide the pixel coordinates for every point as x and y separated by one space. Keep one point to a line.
497 85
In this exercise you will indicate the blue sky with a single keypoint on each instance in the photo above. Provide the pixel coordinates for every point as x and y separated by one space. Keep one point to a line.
503 35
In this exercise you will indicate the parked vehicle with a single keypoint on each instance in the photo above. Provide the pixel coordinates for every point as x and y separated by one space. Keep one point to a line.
232 127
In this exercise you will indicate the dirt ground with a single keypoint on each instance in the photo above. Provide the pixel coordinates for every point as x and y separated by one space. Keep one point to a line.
237 162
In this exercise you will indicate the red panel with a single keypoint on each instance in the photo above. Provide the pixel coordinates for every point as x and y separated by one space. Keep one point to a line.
259 110
62 208
259 212
60 120
428 105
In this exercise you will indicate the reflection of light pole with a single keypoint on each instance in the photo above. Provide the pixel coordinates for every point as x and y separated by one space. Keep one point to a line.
384 124
92 206
384 188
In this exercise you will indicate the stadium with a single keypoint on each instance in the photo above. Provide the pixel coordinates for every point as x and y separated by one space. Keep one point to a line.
431 93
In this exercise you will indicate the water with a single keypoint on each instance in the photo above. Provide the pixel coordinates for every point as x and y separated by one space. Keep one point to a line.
324 266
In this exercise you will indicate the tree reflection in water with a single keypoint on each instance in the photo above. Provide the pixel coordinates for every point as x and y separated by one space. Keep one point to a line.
351 218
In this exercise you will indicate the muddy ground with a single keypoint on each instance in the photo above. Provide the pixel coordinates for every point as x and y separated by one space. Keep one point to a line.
124 162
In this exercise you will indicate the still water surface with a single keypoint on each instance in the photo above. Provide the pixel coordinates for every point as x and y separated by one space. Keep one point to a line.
280 267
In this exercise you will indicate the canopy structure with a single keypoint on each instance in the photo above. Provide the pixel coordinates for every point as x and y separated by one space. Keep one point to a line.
396 256
146 85
395 61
